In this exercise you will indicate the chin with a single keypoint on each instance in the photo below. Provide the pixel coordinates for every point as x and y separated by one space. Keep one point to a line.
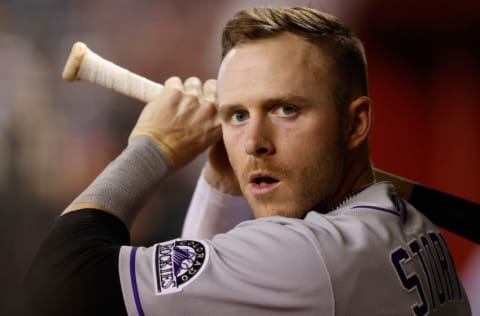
262 211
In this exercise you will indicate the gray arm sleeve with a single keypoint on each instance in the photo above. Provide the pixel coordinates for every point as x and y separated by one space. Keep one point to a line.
127 182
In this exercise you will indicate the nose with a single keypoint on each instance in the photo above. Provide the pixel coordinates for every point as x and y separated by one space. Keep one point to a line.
258 141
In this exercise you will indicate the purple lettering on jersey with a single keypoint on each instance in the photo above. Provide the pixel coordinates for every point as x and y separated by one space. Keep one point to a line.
176 263
447 268
410 282
448 256
434 268
429 264
418 251
164 268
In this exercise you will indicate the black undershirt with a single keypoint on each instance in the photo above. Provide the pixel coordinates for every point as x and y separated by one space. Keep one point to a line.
75 271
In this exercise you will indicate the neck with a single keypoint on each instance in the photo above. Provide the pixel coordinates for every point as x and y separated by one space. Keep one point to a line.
358 174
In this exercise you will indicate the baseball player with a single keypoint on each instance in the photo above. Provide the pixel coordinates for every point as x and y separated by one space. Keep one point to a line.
287 124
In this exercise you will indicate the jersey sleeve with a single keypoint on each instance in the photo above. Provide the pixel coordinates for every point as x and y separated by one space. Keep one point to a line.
75 271
257 268
212 212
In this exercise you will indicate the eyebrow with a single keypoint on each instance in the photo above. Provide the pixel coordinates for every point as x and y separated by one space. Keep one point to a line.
226 108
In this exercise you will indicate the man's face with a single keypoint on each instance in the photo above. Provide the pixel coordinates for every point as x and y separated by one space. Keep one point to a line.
281 128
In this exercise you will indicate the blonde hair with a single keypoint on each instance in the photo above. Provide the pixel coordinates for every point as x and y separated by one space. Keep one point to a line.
314 26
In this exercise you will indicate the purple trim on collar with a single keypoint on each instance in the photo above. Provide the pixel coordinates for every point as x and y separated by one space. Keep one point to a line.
133 278
377 209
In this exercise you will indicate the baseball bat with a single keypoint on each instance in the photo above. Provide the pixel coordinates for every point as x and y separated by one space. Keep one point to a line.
446 210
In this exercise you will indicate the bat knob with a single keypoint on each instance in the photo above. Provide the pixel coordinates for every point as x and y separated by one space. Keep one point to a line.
74 61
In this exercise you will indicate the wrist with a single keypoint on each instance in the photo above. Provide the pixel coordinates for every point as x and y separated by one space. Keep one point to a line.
224 184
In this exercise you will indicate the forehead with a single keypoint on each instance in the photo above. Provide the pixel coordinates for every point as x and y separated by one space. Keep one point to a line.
285 64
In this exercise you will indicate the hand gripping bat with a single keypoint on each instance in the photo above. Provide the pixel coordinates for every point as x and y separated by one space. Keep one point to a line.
450 212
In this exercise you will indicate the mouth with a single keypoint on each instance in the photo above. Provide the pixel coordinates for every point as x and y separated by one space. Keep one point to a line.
261 183
263 180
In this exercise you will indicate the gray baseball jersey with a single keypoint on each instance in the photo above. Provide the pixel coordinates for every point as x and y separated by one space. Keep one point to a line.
375 255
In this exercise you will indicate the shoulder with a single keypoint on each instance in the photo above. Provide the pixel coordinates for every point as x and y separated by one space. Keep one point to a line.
262 266
276 241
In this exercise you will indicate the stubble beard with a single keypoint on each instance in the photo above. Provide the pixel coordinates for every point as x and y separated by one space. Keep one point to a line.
310 188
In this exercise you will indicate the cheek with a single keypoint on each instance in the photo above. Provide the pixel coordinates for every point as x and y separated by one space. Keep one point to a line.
313 149
231 142
299 140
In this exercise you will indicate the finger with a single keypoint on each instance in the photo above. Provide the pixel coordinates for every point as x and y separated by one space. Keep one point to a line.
174 83
193 86
210 90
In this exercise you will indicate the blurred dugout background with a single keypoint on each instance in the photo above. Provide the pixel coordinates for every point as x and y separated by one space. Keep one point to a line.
55 137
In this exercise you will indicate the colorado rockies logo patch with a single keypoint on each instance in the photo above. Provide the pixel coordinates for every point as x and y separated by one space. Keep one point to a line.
176 263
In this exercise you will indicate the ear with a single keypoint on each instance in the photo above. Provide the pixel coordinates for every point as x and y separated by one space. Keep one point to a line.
359 121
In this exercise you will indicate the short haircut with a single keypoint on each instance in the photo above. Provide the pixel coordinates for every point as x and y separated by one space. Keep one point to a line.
316 27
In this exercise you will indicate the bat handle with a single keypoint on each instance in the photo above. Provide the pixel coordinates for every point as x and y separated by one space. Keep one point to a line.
84 65
403 186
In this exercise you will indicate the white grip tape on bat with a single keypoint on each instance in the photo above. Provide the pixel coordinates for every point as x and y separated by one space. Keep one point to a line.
85 65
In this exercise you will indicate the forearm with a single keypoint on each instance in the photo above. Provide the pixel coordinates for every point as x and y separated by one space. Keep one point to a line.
127 183
212 212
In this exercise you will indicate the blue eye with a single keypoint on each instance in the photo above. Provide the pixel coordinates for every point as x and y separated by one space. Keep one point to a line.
285 110
288 110
239 116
